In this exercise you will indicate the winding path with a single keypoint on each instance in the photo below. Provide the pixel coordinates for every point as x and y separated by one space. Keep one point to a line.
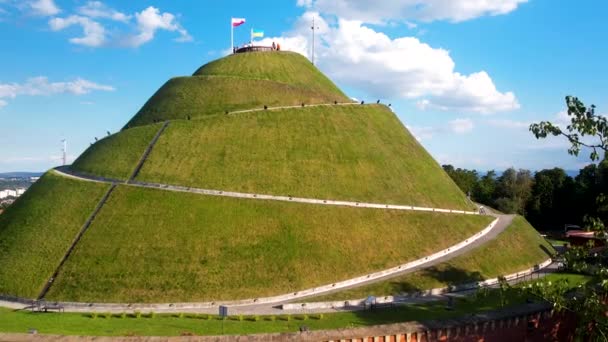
66 172
269 304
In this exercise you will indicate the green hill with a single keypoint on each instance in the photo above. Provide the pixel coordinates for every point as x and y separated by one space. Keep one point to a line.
154 245
517 248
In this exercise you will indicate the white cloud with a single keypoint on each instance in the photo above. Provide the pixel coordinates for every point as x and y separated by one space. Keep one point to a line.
94 33
420 10
3 103
422 132
94 16
97 9
461 126
151 20
43 7
40 86
404 67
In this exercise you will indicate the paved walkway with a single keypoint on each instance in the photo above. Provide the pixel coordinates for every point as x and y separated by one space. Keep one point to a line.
66 172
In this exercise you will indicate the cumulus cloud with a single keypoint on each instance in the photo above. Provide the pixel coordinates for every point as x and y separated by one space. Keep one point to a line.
404 67
94 16
43 7
461 126
151 20
97 9
94 34
419 10
40 86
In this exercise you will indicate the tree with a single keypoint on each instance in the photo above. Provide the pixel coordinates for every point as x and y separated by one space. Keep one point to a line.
513 190
586 129
583 122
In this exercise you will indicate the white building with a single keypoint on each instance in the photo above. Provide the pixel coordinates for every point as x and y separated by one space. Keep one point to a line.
3 194
12 193
20 191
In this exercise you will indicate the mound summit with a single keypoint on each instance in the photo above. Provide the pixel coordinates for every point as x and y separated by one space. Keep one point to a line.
118 241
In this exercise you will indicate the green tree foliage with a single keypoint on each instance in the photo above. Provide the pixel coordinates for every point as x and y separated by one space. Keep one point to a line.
586 129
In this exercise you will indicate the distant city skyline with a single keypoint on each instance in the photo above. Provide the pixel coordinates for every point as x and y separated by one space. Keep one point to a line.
467 80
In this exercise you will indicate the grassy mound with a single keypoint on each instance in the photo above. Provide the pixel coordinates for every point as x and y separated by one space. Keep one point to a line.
117 155
285 67
193 97
151 245
36 231
517 248
358 153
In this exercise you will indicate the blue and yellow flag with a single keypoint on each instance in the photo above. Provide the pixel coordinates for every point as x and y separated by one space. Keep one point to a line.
257 33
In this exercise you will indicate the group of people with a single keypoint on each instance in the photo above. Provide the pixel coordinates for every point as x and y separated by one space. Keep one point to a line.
275 46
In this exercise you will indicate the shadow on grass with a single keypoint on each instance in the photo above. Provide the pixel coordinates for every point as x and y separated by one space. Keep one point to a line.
546 250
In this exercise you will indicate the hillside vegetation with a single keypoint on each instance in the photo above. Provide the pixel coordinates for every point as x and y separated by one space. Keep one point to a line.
517 248
358 153
36 231
193 97
150 245
117 155
285 67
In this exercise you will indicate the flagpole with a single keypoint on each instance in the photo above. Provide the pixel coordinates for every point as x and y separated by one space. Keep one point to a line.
231 36
251 37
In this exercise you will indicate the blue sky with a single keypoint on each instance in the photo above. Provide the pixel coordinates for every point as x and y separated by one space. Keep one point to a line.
467 77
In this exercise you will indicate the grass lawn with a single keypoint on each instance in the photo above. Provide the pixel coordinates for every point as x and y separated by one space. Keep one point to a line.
117 155
357 153
36 231
172 325
285 67
198 96
151 245
517 248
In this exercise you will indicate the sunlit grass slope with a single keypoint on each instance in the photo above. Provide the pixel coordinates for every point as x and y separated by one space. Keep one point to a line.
151 245
285 67
38 228
117 155
517 248
359 153
197 96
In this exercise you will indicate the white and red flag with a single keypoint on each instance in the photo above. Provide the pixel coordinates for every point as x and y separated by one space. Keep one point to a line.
237 22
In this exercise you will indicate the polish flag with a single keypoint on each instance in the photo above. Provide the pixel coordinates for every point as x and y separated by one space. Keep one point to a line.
237 22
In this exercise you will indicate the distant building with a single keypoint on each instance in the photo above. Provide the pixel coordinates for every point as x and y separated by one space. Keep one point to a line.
33 179
3 194
21 191
12 193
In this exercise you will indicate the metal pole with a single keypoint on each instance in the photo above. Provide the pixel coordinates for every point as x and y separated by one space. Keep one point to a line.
231 36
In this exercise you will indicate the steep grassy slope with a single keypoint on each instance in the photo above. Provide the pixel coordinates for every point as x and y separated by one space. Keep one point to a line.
154 246
193 97
285 67
359 153
38 228
517 248
117 155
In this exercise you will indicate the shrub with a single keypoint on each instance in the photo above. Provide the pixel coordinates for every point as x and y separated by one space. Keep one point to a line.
137 314
123 315
107 315
93 315
180 315
240 318
256 318
152 314
271 318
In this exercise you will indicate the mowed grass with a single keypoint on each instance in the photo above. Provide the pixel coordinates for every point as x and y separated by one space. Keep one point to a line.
197 96
36 231
117 155
150 245
517 248
285 67
356 153
203 324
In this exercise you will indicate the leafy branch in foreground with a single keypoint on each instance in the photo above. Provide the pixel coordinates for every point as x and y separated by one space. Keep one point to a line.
583 122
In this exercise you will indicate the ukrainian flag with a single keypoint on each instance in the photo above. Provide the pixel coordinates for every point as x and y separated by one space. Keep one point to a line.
257 34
